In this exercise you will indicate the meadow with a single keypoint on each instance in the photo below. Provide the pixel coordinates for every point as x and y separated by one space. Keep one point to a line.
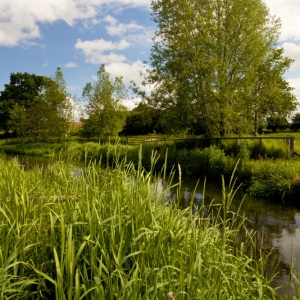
107 233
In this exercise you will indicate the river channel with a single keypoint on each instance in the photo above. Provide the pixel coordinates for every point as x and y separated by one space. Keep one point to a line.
277 225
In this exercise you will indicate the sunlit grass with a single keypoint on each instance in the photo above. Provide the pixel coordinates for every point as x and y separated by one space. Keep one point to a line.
106 234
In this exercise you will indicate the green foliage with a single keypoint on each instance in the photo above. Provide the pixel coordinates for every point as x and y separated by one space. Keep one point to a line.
143 120
275 179
35 149
106 114
277 122
108 234
36 106
212 162
271 97
209 67
295 125
21 91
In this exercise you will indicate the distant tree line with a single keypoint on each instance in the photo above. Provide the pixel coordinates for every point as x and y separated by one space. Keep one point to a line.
33 106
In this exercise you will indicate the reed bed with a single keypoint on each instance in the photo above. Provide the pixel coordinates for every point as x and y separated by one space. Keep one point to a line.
105 233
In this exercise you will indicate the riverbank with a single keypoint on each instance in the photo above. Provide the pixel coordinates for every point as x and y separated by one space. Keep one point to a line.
272 174
104 235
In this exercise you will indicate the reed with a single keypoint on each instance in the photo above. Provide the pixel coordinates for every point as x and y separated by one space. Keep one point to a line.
113 235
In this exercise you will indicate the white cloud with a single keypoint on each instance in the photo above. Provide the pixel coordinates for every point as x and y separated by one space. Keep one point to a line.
70 64
117 28
45 64
293 51
95 51
295 83
20 20
129 72
132 103
133 32
77 110
288 12
73 87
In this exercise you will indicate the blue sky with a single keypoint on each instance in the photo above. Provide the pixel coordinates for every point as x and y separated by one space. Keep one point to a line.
37 36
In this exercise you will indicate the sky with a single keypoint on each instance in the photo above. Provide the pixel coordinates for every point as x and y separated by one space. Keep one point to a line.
37 36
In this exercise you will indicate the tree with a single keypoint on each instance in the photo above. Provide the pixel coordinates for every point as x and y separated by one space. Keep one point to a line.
21 91
270 96
106 114
295 125
60 106
35 106
143 119
55 107
205 60
277 122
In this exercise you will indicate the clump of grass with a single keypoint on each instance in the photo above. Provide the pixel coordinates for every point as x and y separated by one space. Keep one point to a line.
119 239
34 149
275 178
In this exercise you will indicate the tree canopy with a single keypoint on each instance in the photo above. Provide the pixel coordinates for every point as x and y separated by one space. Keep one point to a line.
218 63
106 113
21 91
35 106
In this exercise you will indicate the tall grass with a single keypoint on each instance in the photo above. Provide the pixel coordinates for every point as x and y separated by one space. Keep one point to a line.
272 174
108 234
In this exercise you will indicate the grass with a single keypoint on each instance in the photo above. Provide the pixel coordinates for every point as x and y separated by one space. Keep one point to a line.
265 169
107 234
288 133
34 149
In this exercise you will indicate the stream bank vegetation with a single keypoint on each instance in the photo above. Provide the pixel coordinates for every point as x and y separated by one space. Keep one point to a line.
110 234
265 169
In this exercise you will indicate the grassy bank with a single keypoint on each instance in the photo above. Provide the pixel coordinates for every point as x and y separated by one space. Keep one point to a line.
107 234
273 174
265 169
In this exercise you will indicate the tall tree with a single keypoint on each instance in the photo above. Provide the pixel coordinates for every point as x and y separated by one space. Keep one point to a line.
60 105
106 114
35 105
205 55
270 95
21 91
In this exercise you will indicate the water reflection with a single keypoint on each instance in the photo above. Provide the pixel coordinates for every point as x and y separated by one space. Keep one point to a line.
277 226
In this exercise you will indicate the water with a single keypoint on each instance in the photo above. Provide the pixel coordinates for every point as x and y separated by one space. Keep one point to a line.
277 225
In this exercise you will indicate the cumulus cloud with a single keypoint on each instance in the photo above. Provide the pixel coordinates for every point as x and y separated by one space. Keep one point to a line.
292 50
95 51
70 64
288 12
132 103
117 28
133 32
20 20
295 83
129 72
